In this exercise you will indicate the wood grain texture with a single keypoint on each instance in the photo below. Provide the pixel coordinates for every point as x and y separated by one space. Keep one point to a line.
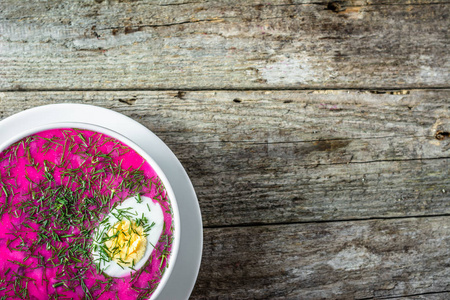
88 44
374 259
265 157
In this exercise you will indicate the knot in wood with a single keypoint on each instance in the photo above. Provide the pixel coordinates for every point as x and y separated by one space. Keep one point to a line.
440 135
335 7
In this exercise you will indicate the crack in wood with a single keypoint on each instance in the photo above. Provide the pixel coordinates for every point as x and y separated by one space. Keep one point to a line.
131 29
131 101
178 4
413 295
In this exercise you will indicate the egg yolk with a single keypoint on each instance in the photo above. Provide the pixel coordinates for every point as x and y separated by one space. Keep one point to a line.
126 242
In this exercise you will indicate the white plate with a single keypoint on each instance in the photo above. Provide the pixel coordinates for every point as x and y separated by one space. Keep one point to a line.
184 274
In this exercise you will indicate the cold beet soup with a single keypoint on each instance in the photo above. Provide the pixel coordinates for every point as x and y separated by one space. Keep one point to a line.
83 216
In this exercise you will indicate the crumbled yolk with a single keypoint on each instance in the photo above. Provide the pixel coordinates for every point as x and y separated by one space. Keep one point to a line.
126 243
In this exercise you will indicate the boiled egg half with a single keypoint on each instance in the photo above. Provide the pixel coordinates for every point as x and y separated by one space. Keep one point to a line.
126 237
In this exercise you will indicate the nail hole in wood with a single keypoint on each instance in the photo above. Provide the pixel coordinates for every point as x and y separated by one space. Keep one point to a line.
237 100
180 95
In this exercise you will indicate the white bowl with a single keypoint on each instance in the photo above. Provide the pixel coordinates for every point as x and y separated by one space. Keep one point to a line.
140 151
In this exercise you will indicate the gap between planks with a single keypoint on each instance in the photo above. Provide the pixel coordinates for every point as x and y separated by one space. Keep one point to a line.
326 2
367 162
325 221
297 141
211 89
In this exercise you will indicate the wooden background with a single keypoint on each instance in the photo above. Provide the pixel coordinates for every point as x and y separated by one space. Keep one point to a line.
316 133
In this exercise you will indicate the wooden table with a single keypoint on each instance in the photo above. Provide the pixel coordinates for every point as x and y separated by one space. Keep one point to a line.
315 133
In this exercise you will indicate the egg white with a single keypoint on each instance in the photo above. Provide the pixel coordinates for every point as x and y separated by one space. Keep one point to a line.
155 214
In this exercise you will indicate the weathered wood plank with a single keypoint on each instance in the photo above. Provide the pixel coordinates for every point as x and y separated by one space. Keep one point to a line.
293 156
218 44
339 260
272 116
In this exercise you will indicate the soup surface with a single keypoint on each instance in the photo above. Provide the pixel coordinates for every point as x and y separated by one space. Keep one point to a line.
83 216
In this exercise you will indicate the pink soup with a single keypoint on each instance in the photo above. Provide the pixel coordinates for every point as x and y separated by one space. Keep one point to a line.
56 186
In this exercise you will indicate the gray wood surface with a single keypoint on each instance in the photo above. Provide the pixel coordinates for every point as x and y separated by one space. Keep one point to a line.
316 133
219 44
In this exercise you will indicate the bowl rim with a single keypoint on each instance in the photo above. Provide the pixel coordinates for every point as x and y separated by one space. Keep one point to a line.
112 133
